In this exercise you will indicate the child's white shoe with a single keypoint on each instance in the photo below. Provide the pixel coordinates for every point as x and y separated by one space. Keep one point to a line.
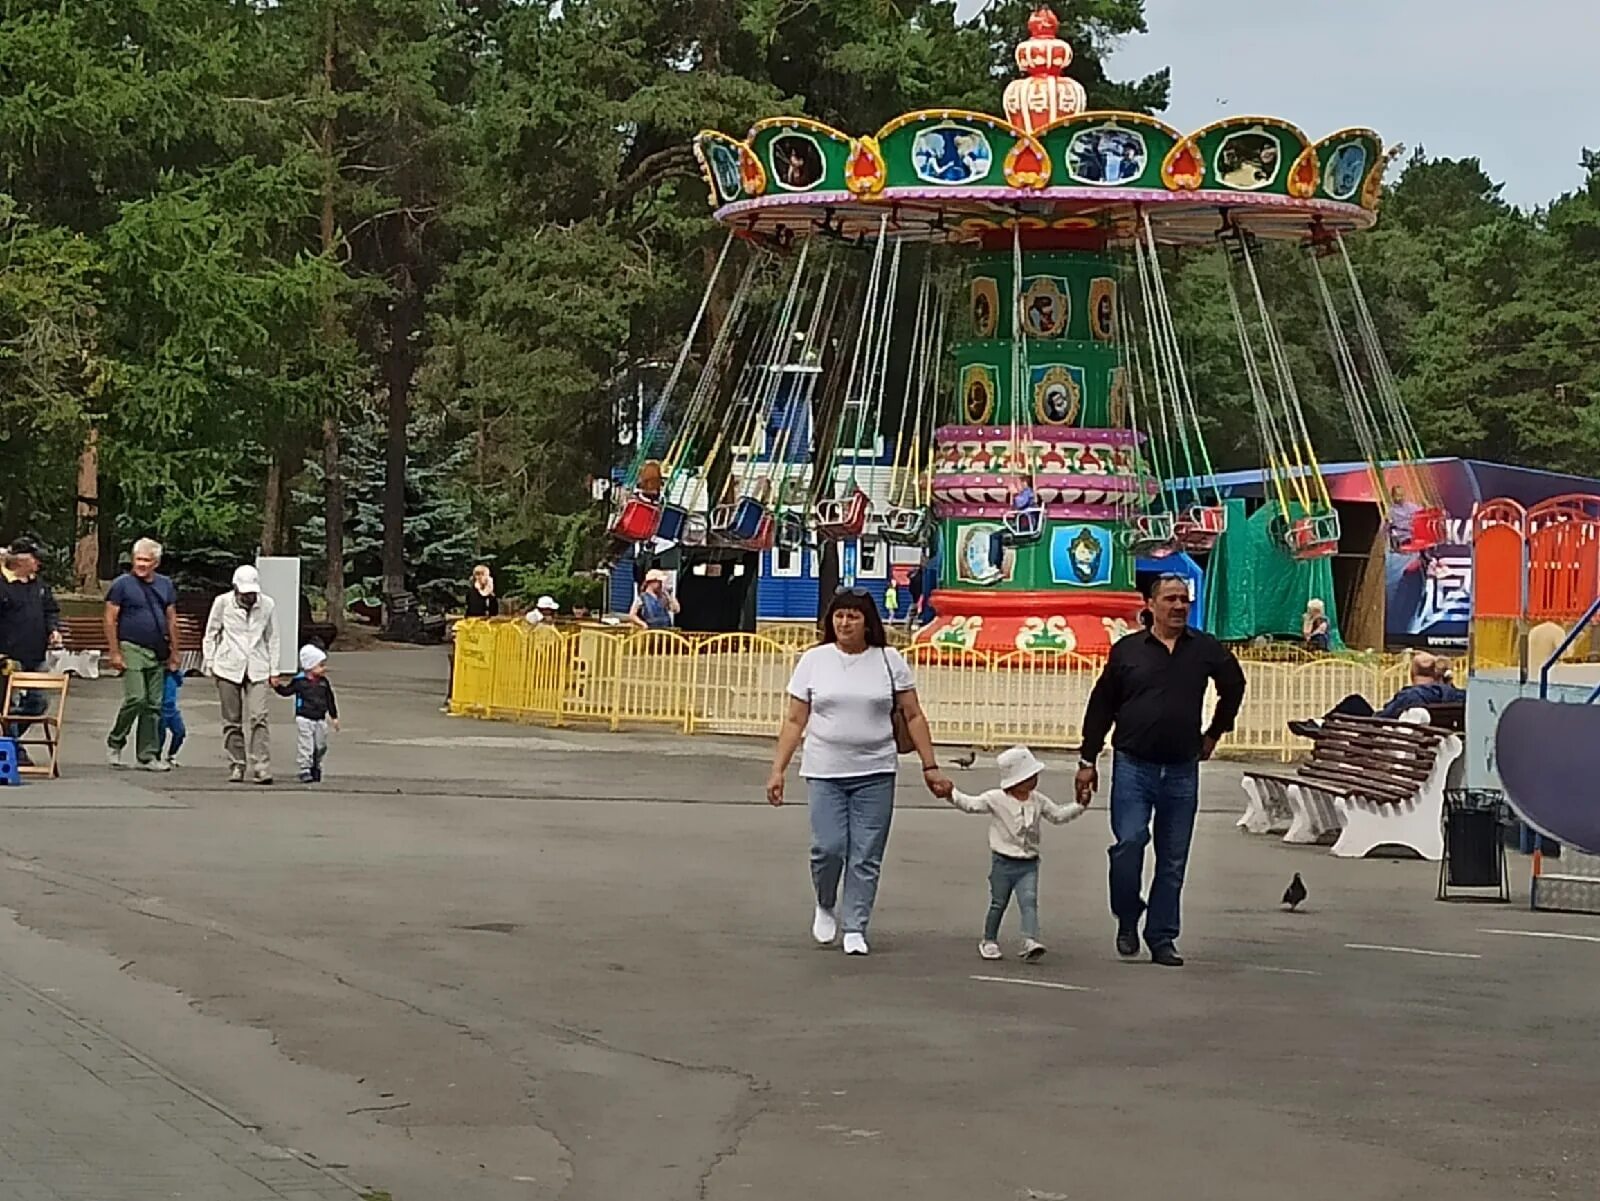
988 949
855 943
824 926
1032 948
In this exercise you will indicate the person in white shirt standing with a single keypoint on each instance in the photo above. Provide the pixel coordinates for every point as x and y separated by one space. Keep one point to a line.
1015 811
241 652
844 699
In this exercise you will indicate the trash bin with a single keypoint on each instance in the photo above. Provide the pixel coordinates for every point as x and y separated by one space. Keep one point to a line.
1474 848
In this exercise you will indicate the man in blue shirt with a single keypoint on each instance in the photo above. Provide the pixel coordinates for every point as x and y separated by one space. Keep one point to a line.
141 621
1430 685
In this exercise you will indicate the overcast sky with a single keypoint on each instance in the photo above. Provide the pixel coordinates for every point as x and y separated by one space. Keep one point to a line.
1514 84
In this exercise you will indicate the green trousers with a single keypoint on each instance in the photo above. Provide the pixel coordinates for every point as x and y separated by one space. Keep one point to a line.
143 684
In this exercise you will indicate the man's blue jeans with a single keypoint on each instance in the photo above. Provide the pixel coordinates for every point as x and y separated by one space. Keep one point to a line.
849 832
1168 794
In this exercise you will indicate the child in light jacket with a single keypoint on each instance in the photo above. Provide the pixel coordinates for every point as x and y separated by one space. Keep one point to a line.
1015 811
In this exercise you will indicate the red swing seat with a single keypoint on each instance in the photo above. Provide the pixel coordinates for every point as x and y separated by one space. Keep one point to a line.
844 518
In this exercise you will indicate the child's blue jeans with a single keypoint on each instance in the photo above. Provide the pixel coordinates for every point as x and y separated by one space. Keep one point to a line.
1008 876
171 723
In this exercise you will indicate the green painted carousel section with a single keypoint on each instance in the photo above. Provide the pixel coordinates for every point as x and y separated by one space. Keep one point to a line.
1087 556
1074 368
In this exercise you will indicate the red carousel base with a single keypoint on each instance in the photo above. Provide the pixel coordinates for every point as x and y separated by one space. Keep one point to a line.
1000 623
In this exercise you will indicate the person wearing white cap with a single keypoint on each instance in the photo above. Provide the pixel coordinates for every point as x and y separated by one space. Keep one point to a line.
241 651
654 608
544 610
1015 811
315 707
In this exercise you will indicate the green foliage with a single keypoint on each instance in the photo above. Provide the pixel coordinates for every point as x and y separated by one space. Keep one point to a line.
51 370
518 233
438 528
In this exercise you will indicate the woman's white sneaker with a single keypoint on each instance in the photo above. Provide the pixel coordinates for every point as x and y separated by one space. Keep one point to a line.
824 926
855 944
1032 948
989 950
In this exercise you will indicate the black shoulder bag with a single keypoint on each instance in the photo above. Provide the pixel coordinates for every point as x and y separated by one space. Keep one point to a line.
163 648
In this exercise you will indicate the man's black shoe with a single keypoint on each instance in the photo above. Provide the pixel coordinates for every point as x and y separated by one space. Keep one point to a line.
1127 943
1166 956
1306 729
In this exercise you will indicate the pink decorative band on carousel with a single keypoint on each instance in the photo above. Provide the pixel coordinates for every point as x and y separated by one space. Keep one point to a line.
1059 512
1037 433
1042 482
950 197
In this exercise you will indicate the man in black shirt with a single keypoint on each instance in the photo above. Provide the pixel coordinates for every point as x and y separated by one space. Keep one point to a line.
1154 688
30 623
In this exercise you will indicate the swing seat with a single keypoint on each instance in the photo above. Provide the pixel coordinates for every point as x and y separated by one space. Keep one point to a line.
1427 531
843 519
1314 537
1152 535
637 520
1024 526
749 515
1200 527
722 521
765 537
791 532
672 522
695 530
905 526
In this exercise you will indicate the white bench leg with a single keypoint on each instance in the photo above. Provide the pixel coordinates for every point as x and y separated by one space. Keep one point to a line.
1417 823
1315 814
1329 820
1254 819
1302 829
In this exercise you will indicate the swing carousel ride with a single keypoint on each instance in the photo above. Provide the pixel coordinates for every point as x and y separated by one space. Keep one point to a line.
956 334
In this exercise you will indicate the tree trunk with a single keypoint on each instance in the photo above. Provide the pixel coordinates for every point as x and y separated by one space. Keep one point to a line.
333 505
332 469
397 369
273 507
86 552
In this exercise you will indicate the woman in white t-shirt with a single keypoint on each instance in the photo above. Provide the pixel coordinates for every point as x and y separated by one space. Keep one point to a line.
841 700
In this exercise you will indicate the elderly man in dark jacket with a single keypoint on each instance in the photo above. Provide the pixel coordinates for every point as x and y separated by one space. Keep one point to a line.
30 620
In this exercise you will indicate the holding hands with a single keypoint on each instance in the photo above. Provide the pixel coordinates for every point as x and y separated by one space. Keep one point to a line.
1087 780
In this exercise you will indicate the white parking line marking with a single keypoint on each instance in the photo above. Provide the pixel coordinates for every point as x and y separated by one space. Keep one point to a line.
1282 971
1368 946
1031 983
1545 934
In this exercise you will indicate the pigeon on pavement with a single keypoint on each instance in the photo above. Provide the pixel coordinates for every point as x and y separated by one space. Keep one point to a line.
967 760
1295 893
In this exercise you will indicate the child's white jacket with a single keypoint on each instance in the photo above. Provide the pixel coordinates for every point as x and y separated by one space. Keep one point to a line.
1014 824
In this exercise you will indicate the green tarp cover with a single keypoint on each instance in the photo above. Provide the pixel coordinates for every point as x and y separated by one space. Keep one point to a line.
1256 587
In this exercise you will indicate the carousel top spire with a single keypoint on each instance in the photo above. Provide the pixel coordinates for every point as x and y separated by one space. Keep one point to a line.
1047 94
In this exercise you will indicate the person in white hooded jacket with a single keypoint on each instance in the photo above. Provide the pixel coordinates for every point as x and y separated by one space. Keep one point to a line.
241 651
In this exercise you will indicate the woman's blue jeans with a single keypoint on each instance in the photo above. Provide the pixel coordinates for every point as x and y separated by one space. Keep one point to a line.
850 820
1169 795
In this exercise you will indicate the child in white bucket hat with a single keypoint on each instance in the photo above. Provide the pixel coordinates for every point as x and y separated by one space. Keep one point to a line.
1015 810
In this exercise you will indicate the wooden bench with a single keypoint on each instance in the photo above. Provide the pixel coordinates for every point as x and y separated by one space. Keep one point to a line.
1374 782
85 642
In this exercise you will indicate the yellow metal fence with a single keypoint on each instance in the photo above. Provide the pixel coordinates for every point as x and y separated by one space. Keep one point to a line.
734 684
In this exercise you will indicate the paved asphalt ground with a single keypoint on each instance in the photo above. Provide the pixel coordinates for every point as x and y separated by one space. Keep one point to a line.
487 962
